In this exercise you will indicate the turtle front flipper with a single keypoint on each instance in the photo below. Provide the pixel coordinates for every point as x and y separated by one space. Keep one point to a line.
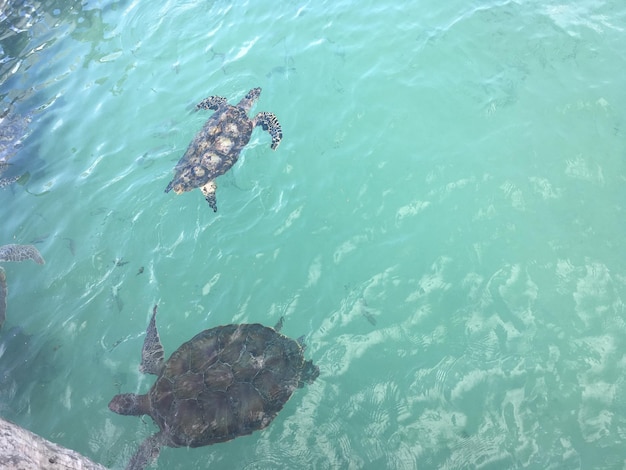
8 181
147 453
152 351
279 325
209 194
270 123
130 404
212 102
3 296
20 253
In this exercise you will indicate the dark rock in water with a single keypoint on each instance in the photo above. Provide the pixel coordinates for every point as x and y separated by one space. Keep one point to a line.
21 449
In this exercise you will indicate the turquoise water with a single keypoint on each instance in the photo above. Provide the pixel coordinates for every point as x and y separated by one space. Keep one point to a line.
443 221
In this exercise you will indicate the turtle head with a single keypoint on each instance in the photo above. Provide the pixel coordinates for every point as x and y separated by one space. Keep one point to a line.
130 404
250 98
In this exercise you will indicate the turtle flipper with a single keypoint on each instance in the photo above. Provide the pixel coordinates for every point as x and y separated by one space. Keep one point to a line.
3 296
270 123
147 453
130 404
212 102
8 181
20 253
152 351
209 194
279 325
310 372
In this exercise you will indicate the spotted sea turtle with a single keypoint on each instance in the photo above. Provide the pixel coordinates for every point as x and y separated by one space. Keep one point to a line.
225 382
14 253
216 147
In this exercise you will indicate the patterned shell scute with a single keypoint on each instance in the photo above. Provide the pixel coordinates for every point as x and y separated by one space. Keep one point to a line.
226 382
214 149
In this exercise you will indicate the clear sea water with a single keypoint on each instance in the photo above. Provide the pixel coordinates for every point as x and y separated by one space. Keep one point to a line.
444 221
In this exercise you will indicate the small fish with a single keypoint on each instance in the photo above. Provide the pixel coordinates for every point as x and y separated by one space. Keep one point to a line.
281 70
365 311
39 239
71 245
140 271
369 317
116 344
98 211
120 262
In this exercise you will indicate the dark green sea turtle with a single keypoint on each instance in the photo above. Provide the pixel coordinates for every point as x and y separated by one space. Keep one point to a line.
14 253
223 383
216 147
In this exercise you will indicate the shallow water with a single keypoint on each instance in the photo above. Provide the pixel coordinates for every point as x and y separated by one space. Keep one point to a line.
442 221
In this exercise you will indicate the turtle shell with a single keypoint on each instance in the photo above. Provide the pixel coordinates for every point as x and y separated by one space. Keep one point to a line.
225 382
214 149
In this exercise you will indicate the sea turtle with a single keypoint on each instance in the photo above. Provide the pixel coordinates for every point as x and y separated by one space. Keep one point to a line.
14 253
225 382
216 147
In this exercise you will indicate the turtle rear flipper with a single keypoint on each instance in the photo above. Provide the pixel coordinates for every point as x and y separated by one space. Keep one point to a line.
209 194
310 372
152 351
147 453
269 122
212 102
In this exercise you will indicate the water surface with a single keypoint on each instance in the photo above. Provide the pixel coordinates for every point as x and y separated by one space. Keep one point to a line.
443 221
